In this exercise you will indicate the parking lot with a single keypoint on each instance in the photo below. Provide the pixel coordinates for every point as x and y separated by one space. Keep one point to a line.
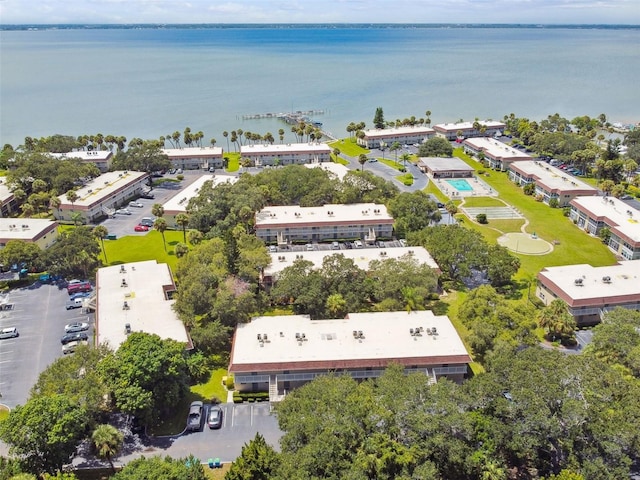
39 314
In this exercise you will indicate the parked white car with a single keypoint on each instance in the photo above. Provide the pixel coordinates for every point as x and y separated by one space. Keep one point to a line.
123 211
9 332
136 204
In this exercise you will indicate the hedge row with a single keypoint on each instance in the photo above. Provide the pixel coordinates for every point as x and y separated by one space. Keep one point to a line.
239 397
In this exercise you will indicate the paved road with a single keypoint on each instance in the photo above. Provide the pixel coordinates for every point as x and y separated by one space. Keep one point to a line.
240 424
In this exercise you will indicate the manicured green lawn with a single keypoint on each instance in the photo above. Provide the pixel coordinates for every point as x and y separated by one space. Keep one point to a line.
573 246
4 413
145 247
433 189
405 178
391 163
339 160
234 162
507 226
478 202
349 147
213 387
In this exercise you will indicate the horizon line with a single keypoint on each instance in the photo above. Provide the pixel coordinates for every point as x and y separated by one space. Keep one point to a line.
535 24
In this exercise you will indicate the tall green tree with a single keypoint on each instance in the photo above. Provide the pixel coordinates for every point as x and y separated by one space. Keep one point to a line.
557 320
435 147
257 461
45 431
101 232
182 219
166 468
362 159
378 119
413 212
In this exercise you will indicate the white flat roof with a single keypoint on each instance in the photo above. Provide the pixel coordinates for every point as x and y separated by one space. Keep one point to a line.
149 310
103 186
337 169
440 164
623 284
625 218
88 155
497 149
551 177
386 336
294 214
397 131
362 257
23 228
5 192
178 203
276 148
449 127
194 152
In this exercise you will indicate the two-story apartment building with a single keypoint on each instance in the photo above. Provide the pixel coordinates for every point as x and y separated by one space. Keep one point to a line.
377 137
454 131
295 224
286 153
195 158
40 231
497 155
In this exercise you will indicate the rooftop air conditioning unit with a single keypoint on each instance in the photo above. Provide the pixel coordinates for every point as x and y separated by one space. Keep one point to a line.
606 279
578 281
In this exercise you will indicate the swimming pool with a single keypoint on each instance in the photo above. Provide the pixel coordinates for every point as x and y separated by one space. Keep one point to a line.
460 184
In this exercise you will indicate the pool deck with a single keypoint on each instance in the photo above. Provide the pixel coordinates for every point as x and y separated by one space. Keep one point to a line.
478 188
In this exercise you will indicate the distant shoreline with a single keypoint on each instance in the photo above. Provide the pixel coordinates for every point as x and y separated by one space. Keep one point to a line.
154 26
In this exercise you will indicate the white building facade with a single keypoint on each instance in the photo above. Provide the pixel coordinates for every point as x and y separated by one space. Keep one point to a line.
279 154
374 138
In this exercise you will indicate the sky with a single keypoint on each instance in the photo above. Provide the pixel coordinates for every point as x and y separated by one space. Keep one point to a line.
320 11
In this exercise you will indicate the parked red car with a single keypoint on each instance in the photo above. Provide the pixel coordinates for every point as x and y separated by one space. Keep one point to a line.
141 228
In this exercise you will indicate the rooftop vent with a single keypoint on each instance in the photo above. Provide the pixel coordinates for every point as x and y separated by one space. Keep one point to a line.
606 279
578 281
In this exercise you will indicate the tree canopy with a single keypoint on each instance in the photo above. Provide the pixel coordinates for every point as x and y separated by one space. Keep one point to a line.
435 147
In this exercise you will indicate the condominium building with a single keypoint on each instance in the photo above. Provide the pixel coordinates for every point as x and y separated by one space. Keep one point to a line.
361 257
8 204
195 158
377 137
590 292
178 203
280 353
286 153
623 221
42 232
101 196
450 167
295 224
495 154
550 182
454 131
137 297
100 158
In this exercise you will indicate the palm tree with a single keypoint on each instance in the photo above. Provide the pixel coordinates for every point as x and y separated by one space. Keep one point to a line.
101 232
362 159
76 217
195 237
182 219
405 157
336 153
157 210
181 250
27 209
107 441
411 298
556 319
161 225
395 146
54 202
225 134
73 197
451 209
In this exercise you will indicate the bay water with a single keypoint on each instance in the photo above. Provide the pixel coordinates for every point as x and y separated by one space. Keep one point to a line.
148 82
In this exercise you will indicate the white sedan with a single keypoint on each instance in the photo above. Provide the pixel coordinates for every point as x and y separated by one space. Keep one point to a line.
136 204
123 211
76 327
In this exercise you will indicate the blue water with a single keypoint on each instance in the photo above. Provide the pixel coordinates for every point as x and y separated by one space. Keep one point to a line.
461 185
150 82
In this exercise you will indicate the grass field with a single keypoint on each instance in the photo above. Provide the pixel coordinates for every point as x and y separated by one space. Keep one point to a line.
478 202
213 387
146 247
348 147
4 412
234 162
405 178
339 160
391 163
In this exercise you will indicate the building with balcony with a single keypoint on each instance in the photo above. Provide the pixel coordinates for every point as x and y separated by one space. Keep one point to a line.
8 203
550 182
278 354
294 224
42 232
493 153
276 154
100 197
100 158
623 221
136 297
178 203
195 158
454 131
590 292
361 257
377 137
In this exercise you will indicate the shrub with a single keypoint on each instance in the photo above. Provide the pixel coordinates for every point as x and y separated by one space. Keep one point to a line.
180 177
482 218
553 203
230 383
529 188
